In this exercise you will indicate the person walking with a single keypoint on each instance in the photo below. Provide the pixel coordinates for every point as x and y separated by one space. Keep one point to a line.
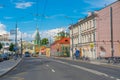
77 53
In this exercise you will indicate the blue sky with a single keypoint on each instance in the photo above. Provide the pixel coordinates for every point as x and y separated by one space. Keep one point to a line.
51 14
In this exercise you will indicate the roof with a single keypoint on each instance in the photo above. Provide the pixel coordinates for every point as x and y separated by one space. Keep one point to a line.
65 40
93 15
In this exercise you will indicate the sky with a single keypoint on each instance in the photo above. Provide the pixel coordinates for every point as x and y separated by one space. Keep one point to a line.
50 16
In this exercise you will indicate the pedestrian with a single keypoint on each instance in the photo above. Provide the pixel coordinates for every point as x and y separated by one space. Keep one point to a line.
77 53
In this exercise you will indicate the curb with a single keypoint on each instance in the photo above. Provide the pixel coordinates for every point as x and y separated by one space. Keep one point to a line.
11 68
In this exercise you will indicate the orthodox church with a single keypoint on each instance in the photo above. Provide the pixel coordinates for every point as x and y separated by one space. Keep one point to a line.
37 42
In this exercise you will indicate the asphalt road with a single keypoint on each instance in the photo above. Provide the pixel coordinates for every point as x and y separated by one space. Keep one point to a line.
58 69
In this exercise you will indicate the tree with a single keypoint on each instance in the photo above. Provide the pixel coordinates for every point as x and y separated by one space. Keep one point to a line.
61 35
1 46
44 41
11 48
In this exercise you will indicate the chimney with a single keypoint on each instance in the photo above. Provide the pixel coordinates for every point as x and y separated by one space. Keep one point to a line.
90 13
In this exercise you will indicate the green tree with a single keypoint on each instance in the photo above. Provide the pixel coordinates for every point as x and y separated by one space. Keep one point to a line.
1 46
44 41
11 48
61 35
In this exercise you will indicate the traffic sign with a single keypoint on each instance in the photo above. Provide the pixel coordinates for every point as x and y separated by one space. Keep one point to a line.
15 48
91 45
12 32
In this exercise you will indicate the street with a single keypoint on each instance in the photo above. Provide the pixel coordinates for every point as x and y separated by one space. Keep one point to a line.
60 69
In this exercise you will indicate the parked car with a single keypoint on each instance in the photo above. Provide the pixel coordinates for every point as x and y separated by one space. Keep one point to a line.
27 54
1 58
5 56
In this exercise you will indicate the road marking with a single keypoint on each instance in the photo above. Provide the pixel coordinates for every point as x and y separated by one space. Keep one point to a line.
88 70
47 65
22 73
50 68
112 77
17 78
53 70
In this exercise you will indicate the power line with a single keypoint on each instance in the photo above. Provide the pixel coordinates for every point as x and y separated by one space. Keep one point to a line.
44 9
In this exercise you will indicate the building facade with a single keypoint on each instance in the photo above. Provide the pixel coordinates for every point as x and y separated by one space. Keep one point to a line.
4 39
108 21
87 34
97 34
61 48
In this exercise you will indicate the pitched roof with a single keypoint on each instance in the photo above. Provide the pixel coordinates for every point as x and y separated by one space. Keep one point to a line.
64 41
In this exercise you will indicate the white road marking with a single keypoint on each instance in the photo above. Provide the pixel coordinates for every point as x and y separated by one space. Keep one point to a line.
47 65
112 77
50 68
17 78
53 70
88 70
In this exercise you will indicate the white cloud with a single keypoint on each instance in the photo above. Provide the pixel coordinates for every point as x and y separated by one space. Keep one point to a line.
25 36
49 33
54 16
23 5
99 3
2 29
6 17
43 34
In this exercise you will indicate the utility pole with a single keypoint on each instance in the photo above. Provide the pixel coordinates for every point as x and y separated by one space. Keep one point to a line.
72 41
72 44
21 45
16 48
111 28
16 36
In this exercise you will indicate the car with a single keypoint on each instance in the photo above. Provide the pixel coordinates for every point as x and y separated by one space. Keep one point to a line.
1 58
27 54
5 56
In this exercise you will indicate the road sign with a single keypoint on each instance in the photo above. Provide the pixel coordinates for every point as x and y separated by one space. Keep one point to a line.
12 32
15 48
91 45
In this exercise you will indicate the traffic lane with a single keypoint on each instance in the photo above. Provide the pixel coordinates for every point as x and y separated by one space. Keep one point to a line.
28 68
44 69
111 71
73 72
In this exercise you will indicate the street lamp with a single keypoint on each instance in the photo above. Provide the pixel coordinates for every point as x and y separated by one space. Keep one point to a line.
71 35
21 46
72 41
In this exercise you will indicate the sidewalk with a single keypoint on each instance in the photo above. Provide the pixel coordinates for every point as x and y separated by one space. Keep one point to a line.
7 65
104 62
96 61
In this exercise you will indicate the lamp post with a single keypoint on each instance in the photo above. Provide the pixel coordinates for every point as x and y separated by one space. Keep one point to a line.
16 40
71 36
21 46
72 42
111 28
